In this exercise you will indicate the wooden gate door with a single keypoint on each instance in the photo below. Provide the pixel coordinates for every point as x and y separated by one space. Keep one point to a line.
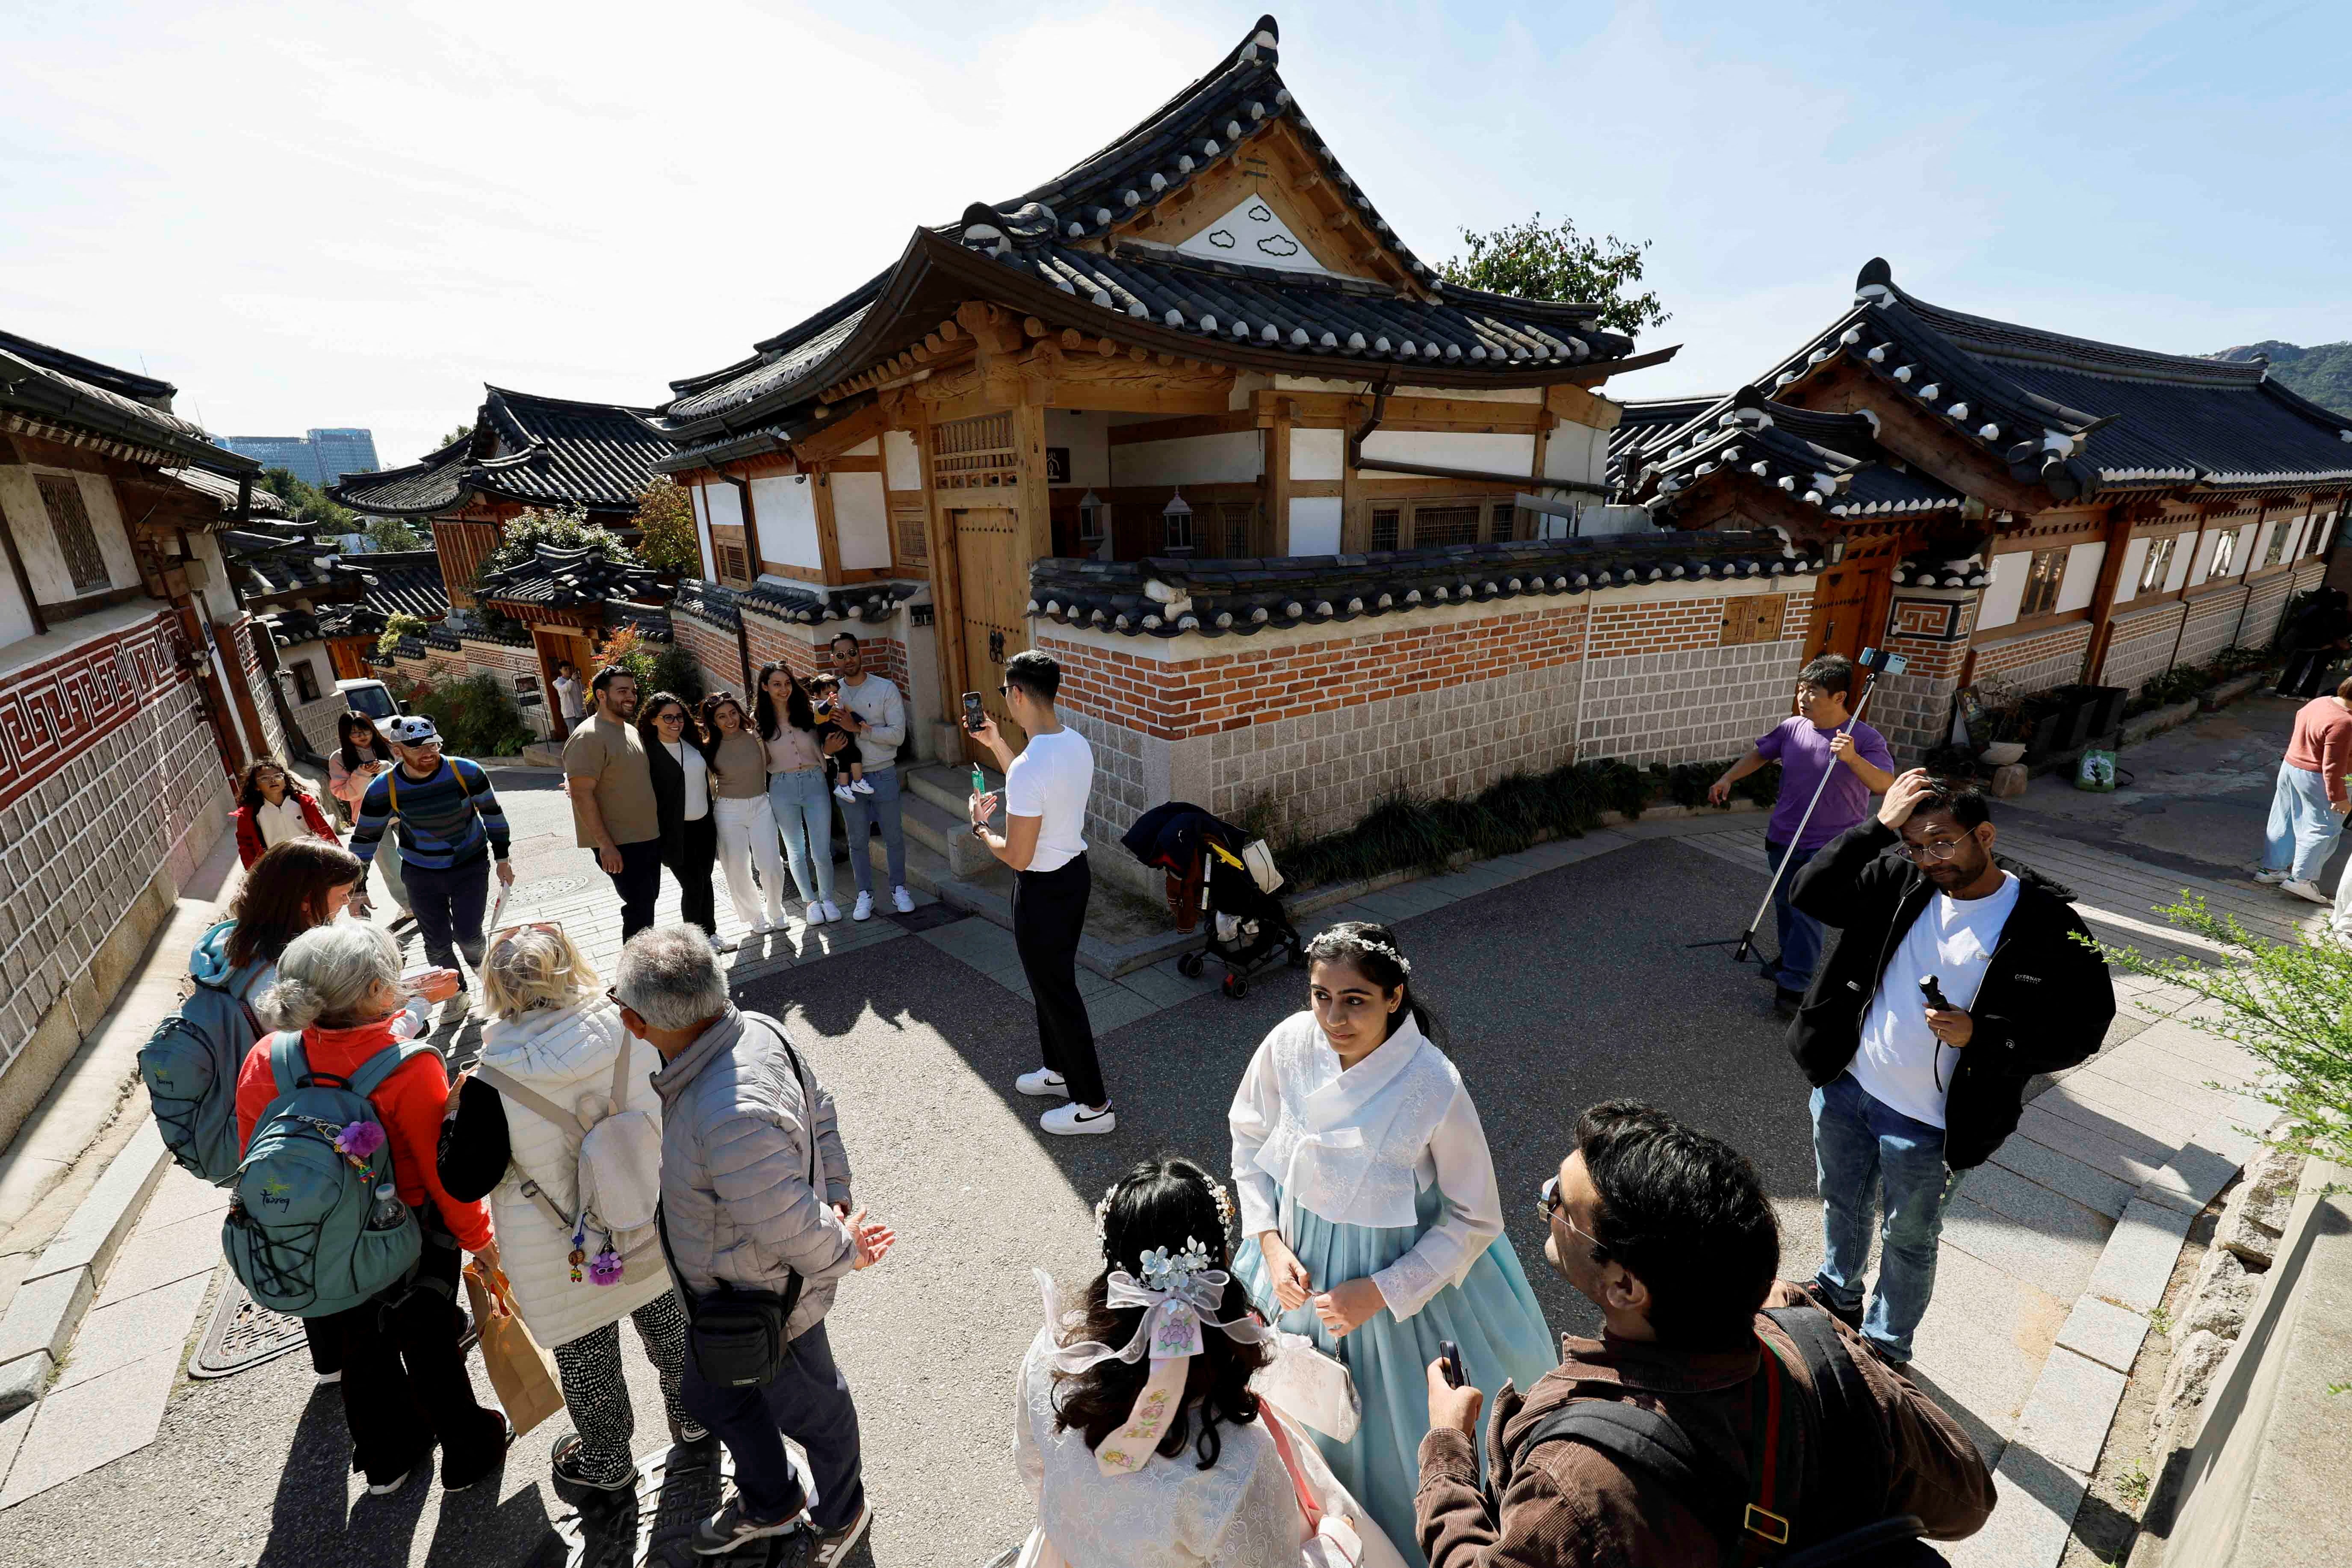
1840 605
992 592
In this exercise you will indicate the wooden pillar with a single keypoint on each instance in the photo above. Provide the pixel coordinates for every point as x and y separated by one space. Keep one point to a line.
1355 526
1036 532
947 587
2103 597
828 535
1277 473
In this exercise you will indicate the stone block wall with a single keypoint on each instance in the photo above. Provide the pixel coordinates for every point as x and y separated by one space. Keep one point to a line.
109 776
2141 644
2212 624
1930 628
2266 601
2038 661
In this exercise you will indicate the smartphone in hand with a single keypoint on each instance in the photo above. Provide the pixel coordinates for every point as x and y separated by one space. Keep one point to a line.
974 713
1449 1354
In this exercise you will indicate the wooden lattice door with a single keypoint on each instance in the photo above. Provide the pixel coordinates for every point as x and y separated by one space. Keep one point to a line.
994 583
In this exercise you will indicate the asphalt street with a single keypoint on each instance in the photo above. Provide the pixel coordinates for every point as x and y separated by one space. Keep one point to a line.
1563 989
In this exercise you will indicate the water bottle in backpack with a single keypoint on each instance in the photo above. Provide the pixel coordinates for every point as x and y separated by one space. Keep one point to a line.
315 1224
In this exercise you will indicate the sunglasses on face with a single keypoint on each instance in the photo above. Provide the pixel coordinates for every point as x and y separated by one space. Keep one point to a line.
1549 1208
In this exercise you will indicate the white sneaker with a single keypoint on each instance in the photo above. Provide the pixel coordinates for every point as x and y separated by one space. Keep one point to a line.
843 791
816 915
1045 1083
865 909
902 900
722 944
860 786
831 910
2272 879
2311 890
1075 1120
327 1377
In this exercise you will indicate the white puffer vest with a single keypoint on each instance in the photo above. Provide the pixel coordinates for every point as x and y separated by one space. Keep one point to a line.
562 1054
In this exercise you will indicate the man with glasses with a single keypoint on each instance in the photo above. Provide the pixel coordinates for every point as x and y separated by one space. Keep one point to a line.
871 711
1814 743
1669 1233
1957 980
448 826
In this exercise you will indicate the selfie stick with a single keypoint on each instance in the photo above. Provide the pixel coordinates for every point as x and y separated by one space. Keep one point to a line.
1873 662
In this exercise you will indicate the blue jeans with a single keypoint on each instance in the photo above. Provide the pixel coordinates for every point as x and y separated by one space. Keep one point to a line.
859 813
1801 934
804 809
2303 830
1860 1145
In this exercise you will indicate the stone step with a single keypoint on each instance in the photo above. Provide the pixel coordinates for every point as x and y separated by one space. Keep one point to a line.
948 785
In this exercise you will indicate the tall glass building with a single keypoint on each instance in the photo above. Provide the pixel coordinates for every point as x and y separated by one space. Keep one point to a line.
320 456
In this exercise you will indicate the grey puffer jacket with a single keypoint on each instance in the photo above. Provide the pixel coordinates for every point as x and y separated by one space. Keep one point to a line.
736 1125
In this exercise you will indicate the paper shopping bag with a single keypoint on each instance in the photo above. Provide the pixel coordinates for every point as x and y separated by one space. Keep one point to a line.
522 1374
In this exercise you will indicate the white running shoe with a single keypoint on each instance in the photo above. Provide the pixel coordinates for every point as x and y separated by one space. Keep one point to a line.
2311 890
831 910
722 944
1045 1083
843 791
816 915
859 787
1075 1120
865 909
902 900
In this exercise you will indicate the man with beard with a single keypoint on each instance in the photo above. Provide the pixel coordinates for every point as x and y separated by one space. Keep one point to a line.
1712 1387
614 810
1958 979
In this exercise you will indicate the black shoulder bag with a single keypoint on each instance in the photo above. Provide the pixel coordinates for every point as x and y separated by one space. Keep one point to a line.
736 1334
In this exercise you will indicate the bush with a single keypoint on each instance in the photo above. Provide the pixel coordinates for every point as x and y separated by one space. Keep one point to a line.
677 672
477 716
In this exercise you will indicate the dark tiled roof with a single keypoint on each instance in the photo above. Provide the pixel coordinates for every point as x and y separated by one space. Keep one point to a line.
1226 311
1830 460
1643 420
815 607
221 490
48 386
713 604
404 581
569 579
536 451
1238 597
2077 416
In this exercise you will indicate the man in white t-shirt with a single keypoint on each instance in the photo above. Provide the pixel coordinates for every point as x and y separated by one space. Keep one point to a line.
1045 790
1915 1086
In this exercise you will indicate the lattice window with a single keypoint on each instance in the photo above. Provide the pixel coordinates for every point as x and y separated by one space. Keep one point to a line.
1241 529
306 680
2225 552
731 555
1438 525
2041 579
1384 527
914 542
2277 550
79 540
975 453
2158 565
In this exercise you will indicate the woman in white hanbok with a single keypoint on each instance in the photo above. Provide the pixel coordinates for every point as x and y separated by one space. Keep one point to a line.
1370 1222
1135 1429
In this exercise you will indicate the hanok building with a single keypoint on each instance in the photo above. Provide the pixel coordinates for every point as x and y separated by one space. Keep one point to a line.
523 452
131 687
2010 506
1292 511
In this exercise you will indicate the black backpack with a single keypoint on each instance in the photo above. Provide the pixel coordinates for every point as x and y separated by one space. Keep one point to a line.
1750 1513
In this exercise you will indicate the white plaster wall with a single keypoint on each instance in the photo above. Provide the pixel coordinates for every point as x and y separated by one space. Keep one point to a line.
2177 573
722 508
2005 592
219 599
1233 458
2081 583
1318 455
861 520
703 531
36 537
16 619
1087 433
2245 555
2327 532
1577 452
902 460
1455 449
113 534
787 509
2204 562
1314 526
871 448
2135 561
2263 531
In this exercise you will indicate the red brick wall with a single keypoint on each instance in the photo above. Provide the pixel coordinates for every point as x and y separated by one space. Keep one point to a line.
713 649
885 656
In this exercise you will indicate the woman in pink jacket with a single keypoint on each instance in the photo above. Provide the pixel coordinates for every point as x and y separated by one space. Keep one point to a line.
359 754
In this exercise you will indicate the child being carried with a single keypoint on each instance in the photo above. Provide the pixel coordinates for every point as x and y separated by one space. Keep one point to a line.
845 769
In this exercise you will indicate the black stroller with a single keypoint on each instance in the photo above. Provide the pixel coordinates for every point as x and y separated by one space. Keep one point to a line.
1210 872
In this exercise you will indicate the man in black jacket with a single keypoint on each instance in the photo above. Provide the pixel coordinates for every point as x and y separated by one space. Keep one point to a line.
1912 1084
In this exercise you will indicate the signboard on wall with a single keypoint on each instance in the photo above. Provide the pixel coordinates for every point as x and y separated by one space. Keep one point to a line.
1057 465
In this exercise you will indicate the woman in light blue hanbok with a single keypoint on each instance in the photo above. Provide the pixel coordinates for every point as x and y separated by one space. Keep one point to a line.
1369 1218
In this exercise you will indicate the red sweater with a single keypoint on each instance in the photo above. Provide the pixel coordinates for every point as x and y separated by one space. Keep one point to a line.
2322 742
250 843
410 1102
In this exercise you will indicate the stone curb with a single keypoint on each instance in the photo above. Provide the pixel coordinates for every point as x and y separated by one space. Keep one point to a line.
2046 1471
64 1280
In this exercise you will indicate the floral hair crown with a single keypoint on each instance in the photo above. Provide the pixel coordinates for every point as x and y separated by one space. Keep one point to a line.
1346 940
1216 1191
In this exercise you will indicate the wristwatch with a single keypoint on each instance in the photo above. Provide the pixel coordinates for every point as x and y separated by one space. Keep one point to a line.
980 830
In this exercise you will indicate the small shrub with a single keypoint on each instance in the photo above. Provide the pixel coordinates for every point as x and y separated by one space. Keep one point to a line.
679 673
477 716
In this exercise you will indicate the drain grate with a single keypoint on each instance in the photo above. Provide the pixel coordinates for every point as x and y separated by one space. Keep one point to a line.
242 1334
547 889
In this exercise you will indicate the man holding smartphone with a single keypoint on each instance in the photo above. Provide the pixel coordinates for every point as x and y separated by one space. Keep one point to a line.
1045 791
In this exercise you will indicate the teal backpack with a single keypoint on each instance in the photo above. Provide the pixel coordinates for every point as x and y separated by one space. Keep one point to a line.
191 1062
306 1231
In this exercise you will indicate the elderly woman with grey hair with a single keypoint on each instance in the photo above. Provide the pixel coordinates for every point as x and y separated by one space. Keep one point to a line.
404 1380
755 1191
556 1070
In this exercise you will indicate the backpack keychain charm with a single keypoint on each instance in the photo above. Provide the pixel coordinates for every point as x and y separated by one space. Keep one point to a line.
578 1249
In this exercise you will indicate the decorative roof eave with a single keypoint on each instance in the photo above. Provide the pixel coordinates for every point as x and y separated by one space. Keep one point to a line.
2272 482
809 606
36 400
1169 597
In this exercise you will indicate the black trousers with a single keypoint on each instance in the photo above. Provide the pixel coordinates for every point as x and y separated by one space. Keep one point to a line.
809 1403
698 895
405 1382
1049 915
448 908
638 881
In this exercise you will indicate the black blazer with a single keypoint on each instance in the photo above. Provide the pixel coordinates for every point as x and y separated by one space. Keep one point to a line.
2044 1005
669 798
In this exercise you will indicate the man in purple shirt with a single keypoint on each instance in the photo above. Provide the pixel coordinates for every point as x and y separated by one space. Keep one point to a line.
1806 747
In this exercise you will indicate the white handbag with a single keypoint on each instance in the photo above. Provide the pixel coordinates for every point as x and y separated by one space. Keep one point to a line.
1310 1387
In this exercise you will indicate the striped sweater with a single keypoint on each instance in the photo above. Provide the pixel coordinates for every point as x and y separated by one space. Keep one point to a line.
444 820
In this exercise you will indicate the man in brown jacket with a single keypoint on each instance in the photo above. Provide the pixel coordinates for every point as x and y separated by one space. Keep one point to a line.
1668 1231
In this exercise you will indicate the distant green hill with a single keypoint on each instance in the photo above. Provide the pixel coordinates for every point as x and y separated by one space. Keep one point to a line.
2323 374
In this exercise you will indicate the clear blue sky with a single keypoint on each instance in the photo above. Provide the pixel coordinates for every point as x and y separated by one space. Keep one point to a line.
350 215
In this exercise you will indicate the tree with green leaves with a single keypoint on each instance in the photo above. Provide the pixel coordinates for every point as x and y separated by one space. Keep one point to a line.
666 536
397 626
459 433
308 503
396 533
1533 261
565 527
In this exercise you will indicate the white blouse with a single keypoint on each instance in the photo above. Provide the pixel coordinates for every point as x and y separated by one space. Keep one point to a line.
697 779
1357 1148
282 823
